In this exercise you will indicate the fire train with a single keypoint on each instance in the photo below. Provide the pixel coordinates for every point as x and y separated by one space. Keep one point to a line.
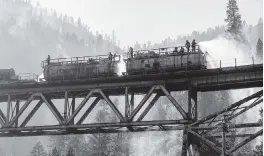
164 60
80 67
155 61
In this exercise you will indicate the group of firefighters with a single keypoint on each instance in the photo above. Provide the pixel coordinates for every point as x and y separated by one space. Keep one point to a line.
187 45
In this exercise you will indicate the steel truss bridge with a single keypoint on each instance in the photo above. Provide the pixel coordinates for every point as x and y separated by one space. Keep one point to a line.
196 132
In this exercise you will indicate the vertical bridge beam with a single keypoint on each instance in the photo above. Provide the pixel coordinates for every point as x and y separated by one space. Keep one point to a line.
17 110
8 109
132 105
193 115
65 106
127 107
192 104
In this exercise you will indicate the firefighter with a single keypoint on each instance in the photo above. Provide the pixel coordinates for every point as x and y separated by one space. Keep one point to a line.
187 45
48 60
131 52
175 50
193 45
110 56
181 50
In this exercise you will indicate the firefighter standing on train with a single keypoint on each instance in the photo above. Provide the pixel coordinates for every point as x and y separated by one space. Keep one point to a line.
110 56
131 52
187 45
48 60
193 45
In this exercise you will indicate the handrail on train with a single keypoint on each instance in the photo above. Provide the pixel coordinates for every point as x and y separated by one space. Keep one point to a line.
28 76
164 51
82 59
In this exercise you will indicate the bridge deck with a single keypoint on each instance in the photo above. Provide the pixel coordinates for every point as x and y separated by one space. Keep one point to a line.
247 76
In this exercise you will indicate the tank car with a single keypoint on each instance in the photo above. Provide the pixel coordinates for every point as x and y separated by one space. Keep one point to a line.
80 67
164 60
8 75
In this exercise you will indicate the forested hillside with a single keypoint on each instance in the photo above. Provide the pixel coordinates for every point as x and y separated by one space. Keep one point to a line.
28 34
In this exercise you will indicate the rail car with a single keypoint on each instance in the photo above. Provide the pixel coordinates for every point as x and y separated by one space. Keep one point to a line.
164 60
8 75
80 67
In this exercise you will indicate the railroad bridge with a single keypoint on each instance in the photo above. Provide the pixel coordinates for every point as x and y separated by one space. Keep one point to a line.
195 131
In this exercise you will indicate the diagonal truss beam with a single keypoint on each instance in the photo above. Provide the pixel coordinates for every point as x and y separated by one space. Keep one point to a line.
52 108
255 103
88 111
174 102
259 133
30 115
2 115
2 122
80 107
142 102
113 107
151 104
228 108
21 110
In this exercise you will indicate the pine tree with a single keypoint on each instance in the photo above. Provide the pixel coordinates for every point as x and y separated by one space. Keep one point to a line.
79 22
38 150
70 152
55 152
258 151
234 22
260 49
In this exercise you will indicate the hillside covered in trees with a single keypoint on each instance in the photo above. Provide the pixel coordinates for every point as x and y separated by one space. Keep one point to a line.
37 32
28 34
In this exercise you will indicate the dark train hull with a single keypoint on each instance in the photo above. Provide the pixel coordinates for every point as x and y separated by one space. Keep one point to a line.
55 72
165 64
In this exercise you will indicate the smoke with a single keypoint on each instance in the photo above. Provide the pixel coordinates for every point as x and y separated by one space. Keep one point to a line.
121 66
227 49
61 53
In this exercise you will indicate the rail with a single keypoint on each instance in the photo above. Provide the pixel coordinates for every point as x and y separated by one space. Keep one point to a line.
232 62
83 59
28 76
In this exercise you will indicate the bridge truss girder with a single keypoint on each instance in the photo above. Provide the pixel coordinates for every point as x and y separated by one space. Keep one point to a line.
195 131
67 124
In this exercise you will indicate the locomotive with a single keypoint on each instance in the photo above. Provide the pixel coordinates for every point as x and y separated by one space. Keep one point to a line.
164 60
80 67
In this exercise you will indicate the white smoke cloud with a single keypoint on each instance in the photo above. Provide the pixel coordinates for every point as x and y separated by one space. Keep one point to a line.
226 48
121 66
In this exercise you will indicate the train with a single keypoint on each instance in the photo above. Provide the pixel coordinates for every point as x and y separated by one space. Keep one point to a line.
164 60
80 67
142 62
8 75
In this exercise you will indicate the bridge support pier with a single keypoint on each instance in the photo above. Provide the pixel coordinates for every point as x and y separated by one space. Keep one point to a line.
188 141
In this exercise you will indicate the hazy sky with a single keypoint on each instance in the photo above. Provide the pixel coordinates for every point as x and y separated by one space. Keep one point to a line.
152 20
